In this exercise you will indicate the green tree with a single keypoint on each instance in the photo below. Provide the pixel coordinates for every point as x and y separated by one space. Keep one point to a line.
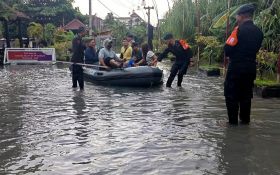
35 30
62 43
181 20
139 32
49 11
118 29
5 12
49 33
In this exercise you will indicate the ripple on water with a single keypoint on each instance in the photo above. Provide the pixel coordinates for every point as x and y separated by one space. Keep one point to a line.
49 128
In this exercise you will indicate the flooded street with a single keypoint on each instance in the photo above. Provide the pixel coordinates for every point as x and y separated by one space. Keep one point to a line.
46 127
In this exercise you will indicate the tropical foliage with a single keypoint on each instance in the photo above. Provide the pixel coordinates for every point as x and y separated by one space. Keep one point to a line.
62 43
56 12
266 63
49 11
49 33
35 30
212 48
206 21
181 20
120 30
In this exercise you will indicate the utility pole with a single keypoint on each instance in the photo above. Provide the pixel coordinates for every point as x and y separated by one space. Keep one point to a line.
90 18
150 42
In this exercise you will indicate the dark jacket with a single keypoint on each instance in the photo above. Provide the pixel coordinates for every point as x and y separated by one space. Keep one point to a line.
178 51
137 55
242 56
91 55
78 49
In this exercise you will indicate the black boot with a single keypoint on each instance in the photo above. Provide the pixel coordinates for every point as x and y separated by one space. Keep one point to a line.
232 109
245 111
169 81
180 80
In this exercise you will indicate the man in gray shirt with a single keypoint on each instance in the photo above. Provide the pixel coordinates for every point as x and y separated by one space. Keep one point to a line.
108 58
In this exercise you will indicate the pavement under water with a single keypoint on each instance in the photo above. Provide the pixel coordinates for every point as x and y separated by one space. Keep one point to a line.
46 127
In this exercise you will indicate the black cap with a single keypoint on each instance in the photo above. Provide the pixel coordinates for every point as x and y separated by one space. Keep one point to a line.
134 44
167 36
246 9
81 29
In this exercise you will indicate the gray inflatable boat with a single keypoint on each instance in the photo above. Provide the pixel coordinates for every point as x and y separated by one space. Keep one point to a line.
142 76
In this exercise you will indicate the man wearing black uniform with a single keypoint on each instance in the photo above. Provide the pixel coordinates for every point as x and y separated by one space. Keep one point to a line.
78 49
241 48
181 50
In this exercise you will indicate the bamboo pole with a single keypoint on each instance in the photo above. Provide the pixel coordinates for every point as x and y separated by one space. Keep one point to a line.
198 30
81 64
278 68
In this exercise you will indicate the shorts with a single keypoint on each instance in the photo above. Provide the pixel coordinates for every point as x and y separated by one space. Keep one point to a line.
107 61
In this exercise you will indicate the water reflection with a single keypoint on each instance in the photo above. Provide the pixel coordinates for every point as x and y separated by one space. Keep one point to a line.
12 92
236 149
81 118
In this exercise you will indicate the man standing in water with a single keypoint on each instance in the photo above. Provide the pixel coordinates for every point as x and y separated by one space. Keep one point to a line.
183 53
241 48
78 49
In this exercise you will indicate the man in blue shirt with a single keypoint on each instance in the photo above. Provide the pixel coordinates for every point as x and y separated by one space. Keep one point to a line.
90 53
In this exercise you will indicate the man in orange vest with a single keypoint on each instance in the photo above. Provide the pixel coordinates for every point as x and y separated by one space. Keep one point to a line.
241 48
183 53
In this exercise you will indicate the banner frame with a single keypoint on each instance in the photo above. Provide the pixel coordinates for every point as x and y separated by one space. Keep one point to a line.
7 61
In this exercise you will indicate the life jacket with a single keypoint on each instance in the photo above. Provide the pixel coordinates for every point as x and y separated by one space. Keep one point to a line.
184 44
232 39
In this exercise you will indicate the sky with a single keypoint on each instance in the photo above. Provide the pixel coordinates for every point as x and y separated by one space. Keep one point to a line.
122 8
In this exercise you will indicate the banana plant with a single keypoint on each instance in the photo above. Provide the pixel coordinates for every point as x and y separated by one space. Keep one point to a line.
35 30
221 20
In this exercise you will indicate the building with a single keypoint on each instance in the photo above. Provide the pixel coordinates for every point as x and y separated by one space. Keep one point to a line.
136 20
74 25
133 20
97 24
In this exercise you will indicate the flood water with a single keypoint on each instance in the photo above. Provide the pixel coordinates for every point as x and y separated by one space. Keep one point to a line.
46 127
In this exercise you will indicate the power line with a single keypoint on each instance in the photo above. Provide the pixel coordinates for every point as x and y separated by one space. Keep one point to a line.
141 10
124 5
108 8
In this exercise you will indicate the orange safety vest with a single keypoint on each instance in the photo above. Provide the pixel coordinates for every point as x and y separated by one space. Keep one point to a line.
232 39
184 44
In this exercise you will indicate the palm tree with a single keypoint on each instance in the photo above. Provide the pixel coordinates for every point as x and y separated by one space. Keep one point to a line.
35 30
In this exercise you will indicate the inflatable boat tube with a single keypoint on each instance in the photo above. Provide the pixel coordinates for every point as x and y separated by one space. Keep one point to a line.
142 76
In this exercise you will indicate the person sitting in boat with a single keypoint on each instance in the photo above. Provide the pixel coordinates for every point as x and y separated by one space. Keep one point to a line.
136 55
126 51
107 57
91 56
148 57
130 39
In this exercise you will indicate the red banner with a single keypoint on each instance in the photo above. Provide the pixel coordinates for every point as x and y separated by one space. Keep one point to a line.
29 55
